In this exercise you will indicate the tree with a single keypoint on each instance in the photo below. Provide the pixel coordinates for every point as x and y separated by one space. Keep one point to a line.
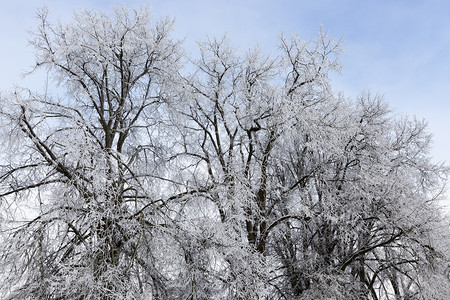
91 158
236 176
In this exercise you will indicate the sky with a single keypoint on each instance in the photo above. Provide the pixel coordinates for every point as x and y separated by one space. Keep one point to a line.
400 49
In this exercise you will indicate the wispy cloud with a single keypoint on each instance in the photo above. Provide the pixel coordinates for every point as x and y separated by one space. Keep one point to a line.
398 48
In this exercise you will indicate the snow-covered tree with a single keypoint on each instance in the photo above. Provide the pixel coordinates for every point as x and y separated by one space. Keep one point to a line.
92 164
237 175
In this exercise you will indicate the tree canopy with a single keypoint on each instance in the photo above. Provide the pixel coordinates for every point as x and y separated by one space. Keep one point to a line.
233 175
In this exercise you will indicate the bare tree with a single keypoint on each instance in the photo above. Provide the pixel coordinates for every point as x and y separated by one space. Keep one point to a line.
90 160
241 176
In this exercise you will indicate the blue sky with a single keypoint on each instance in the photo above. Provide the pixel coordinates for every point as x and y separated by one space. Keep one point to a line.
400 49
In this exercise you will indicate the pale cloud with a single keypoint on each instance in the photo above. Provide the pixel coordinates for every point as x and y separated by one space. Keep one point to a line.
398 48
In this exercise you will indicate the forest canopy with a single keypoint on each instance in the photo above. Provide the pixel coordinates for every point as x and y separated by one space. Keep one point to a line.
231 175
